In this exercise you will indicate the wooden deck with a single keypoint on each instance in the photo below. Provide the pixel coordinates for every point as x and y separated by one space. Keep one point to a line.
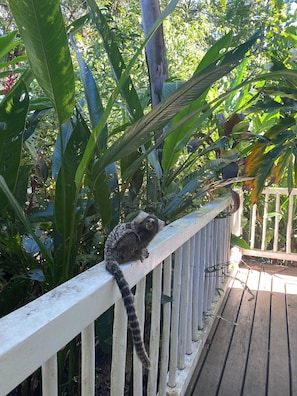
252 348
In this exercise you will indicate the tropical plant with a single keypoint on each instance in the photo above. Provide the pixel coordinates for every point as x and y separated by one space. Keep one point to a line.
102 169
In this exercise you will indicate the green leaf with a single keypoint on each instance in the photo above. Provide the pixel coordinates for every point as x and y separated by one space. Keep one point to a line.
88 155
42 29
7 43
22 217
99 185
94 102
177 140
69 209
215 52
160 115
240 242
266 166
13 112
116 60
275 134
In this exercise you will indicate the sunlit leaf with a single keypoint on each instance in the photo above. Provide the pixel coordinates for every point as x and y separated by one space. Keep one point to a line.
42 30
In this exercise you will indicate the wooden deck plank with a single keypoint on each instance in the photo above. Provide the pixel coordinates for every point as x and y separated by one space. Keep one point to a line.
252 351
291 296
232 380
210 374
256 371
279 373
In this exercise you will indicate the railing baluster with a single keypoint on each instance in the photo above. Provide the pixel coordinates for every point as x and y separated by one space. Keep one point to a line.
175 317
155 330
264 225
184 306
209 275
140 309
276 222
201 299
119 347
88 361
206 274
289 224
166 307
253 226
212 263
50 377
196 274
227 245
190 297
218 239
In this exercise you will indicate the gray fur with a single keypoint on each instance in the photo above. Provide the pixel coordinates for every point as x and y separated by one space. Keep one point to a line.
128 242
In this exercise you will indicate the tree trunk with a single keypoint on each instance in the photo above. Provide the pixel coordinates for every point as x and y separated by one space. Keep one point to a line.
155 49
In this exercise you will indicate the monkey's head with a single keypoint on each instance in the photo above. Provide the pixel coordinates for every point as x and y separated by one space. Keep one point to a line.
148 225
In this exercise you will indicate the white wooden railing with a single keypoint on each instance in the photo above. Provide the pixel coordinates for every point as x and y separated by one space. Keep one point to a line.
274 218
189 259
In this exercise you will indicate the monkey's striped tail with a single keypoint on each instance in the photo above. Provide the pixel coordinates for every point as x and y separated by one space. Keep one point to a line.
114 268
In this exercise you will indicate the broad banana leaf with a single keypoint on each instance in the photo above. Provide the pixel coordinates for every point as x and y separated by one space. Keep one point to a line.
42 30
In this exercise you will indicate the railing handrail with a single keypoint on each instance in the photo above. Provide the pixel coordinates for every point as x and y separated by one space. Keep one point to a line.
28 335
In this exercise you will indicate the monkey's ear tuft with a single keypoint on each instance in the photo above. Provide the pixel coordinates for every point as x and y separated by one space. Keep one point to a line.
161 224
140 217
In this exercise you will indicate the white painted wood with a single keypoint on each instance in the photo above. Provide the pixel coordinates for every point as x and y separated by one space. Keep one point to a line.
253 226
155 331
166 308
88 360
281 190
236 217
276 222
287 255
264 225
190 297
227 245
184 376
201 278
119 347
205 248
184 305
217 257
175 318
289 225
50 377
269 254
139 301
195 287
209 264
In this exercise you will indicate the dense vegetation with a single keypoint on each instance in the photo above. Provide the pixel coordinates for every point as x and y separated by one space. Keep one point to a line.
82 147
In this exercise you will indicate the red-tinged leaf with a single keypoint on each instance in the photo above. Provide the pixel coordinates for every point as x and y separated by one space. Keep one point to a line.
255 159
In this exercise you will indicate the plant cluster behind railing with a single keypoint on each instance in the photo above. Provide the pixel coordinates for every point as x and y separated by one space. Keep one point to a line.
188 263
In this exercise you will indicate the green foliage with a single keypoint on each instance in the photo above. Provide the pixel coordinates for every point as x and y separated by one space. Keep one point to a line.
42 29
105 161
13 113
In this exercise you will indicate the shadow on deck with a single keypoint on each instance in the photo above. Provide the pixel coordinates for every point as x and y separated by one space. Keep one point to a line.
252 347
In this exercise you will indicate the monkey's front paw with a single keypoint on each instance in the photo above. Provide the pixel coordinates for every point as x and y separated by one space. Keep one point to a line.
144 254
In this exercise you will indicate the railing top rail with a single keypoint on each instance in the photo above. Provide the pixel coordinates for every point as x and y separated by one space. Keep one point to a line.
280 190
72 306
